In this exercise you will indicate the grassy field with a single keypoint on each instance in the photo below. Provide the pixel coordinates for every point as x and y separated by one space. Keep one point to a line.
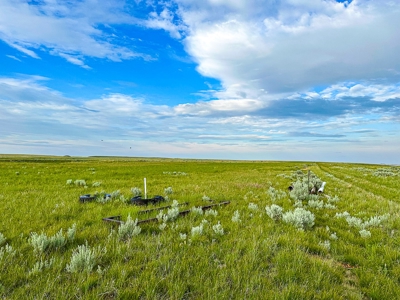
266 244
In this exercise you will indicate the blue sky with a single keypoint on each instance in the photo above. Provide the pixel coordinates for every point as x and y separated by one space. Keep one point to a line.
315 80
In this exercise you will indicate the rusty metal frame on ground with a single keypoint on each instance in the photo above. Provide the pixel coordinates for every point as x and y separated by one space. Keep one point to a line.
160 208
117 219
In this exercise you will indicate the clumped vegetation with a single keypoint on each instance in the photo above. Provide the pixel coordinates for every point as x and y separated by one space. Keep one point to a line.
42 243
269 242
129 229
300 218
83 259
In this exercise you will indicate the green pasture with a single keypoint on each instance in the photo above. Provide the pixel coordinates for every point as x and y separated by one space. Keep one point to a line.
351 251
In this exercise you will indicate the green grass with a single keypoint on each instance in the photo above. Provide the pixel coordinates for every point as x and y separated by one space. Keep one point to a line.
256 258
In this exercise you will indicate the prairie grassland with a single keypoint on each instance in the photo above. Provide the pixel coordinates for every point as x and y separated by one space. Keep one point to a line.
266 244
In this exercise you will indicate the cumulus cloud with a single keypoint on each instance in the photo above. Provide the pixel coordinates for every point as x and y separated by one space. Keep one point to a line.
164 20
291 46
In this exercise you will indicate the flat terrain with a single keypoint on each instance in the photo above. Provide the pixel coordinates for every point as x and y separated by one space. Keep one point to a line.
244 250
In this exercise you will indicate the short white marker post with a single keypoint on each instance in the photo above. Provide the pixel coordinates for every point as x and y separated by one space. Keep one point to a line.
145 189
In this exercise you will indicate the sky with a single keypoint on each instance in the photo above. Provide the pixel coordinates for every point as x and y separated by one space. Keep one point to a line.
303 80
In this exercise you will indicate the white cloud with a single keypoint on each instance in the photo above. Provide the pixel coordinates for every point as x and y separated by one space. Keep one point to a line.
235 137
68 29
219 107
292 46
165 21
25 50
13 57
74 60
377 92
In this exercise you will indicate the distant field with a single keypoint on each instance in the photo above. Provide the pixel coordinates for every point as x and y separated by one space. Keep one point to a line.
266 244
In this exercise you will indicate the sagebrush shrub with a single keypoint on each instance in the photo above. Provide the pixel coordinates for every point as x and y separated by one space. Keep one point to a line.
80 182
275 194
136 191
325 244
71 233
197 210
365 233
211 212
303 185
198 230
299 191
128 229
115 194
329 206
42 243
205 198
123 199
375 221
102 197
300 218
298 203
354 222
83 259
218 229
333 199
160 216
358 223
175 173
168 191
172 213
236 217
385 172
6 252
41 265
2 239
253 206
274 212
317 204
344 214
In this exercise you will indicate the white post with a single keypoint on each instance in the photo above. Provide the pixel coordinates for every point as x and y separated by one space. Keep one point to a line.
145 189
321 189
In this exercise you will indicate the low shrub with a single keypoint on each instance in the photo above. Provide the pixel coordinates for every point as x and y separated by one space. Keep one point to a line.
218 229
83 259
211 212
128 229
197 210
42 243
168 191
274 212
300 218
198 230
236 217
2 239
136 191
80 182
